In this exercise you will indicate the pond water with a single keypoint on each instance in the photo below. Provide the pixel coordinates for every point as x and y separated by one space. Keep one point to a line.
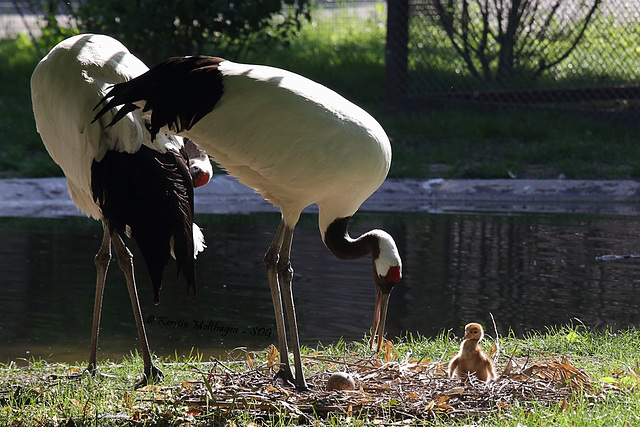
531 271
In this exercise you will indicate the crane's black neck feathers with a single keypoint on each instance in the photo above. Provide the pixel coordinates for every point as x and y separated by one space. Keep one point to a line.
337 239
178 92
152 193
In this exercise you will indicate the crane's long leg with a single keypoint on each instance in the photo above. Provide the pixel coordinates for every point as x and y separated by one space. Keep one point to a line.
102 260
285 276
125 261
271 262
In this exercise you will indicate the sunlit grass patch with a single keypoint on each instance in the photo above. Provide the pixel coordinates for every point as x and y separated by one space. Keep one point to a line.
564 376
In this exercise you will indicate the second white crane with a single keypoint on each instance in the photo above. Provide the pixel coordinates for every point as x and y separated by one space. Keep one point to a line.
295 142
137 187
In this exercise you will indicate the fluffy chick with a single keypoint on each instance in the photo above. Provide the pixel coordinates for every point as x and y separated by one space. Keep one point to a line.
471 358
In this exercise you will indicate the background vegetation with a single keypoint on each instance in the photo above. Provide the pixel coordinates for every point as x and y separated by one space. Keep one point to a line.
499 41
345 51
186 27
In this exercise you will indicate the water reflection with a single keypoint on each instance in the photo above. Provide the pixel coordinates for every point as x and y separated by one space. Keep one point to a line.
530 271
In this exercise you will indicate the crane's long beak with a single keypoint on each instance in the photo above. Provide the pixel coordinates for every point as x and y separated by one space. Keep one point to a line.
379 319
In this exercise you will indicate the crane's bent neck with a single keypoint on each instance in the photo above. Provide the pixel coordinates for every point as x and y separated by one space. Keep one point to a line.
337 239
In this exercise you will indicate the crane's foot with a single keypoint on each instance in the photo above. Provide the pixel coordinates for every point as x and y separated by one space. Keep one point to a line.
302 387
153 376
284 377
92 369
68 375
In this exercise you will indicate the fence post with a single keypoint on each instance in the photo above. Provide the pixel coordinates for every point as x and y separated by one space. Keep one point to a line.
396 77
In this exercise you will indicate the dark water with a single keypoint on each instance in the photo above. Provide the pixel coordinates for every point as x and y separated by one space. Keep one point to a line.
530 271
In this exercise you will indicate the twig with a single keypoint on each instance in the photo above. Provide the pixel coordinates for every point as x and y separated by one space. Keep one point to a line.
495 328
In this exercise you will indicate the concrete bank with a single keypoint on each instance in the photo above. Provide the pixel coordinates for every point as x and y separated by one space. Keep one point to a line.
47 197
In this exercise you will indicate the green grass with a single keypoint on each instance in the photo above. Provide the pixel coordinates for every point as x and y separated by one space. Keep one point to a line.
348 56
468 143
342 51
21 151
39 393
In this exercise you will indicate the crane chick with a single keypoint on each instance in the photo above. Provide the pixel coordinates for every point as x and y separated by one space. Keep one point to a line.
471 359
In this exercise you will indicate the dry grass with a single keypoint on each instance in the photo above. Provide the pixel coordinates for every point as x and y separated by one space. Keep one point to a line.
539 384
386 390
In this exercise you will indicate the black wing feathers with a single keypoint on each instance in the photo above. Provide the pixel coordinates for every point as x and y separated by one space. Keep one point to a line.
178 92
152 193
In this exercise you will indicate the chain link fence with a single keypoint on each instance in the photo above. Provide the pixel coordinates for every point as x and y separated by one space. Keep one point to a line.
567 54
571 54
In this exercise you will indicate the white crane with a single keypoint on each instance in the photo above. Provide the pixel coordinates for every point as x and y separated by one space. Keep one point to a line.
117 174
295 142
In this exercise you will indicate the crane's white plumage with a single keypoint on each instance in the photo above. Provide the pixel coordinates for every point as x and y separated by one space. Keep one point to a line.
138 186
65 87
295 142
283 134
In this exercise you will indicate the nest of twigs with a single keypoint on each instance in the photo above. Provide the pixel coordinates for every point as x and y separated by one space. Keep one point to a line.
386 389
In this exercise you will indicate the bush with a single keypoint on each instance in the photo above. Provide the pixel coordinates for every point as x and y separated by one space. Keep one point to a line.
155 30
